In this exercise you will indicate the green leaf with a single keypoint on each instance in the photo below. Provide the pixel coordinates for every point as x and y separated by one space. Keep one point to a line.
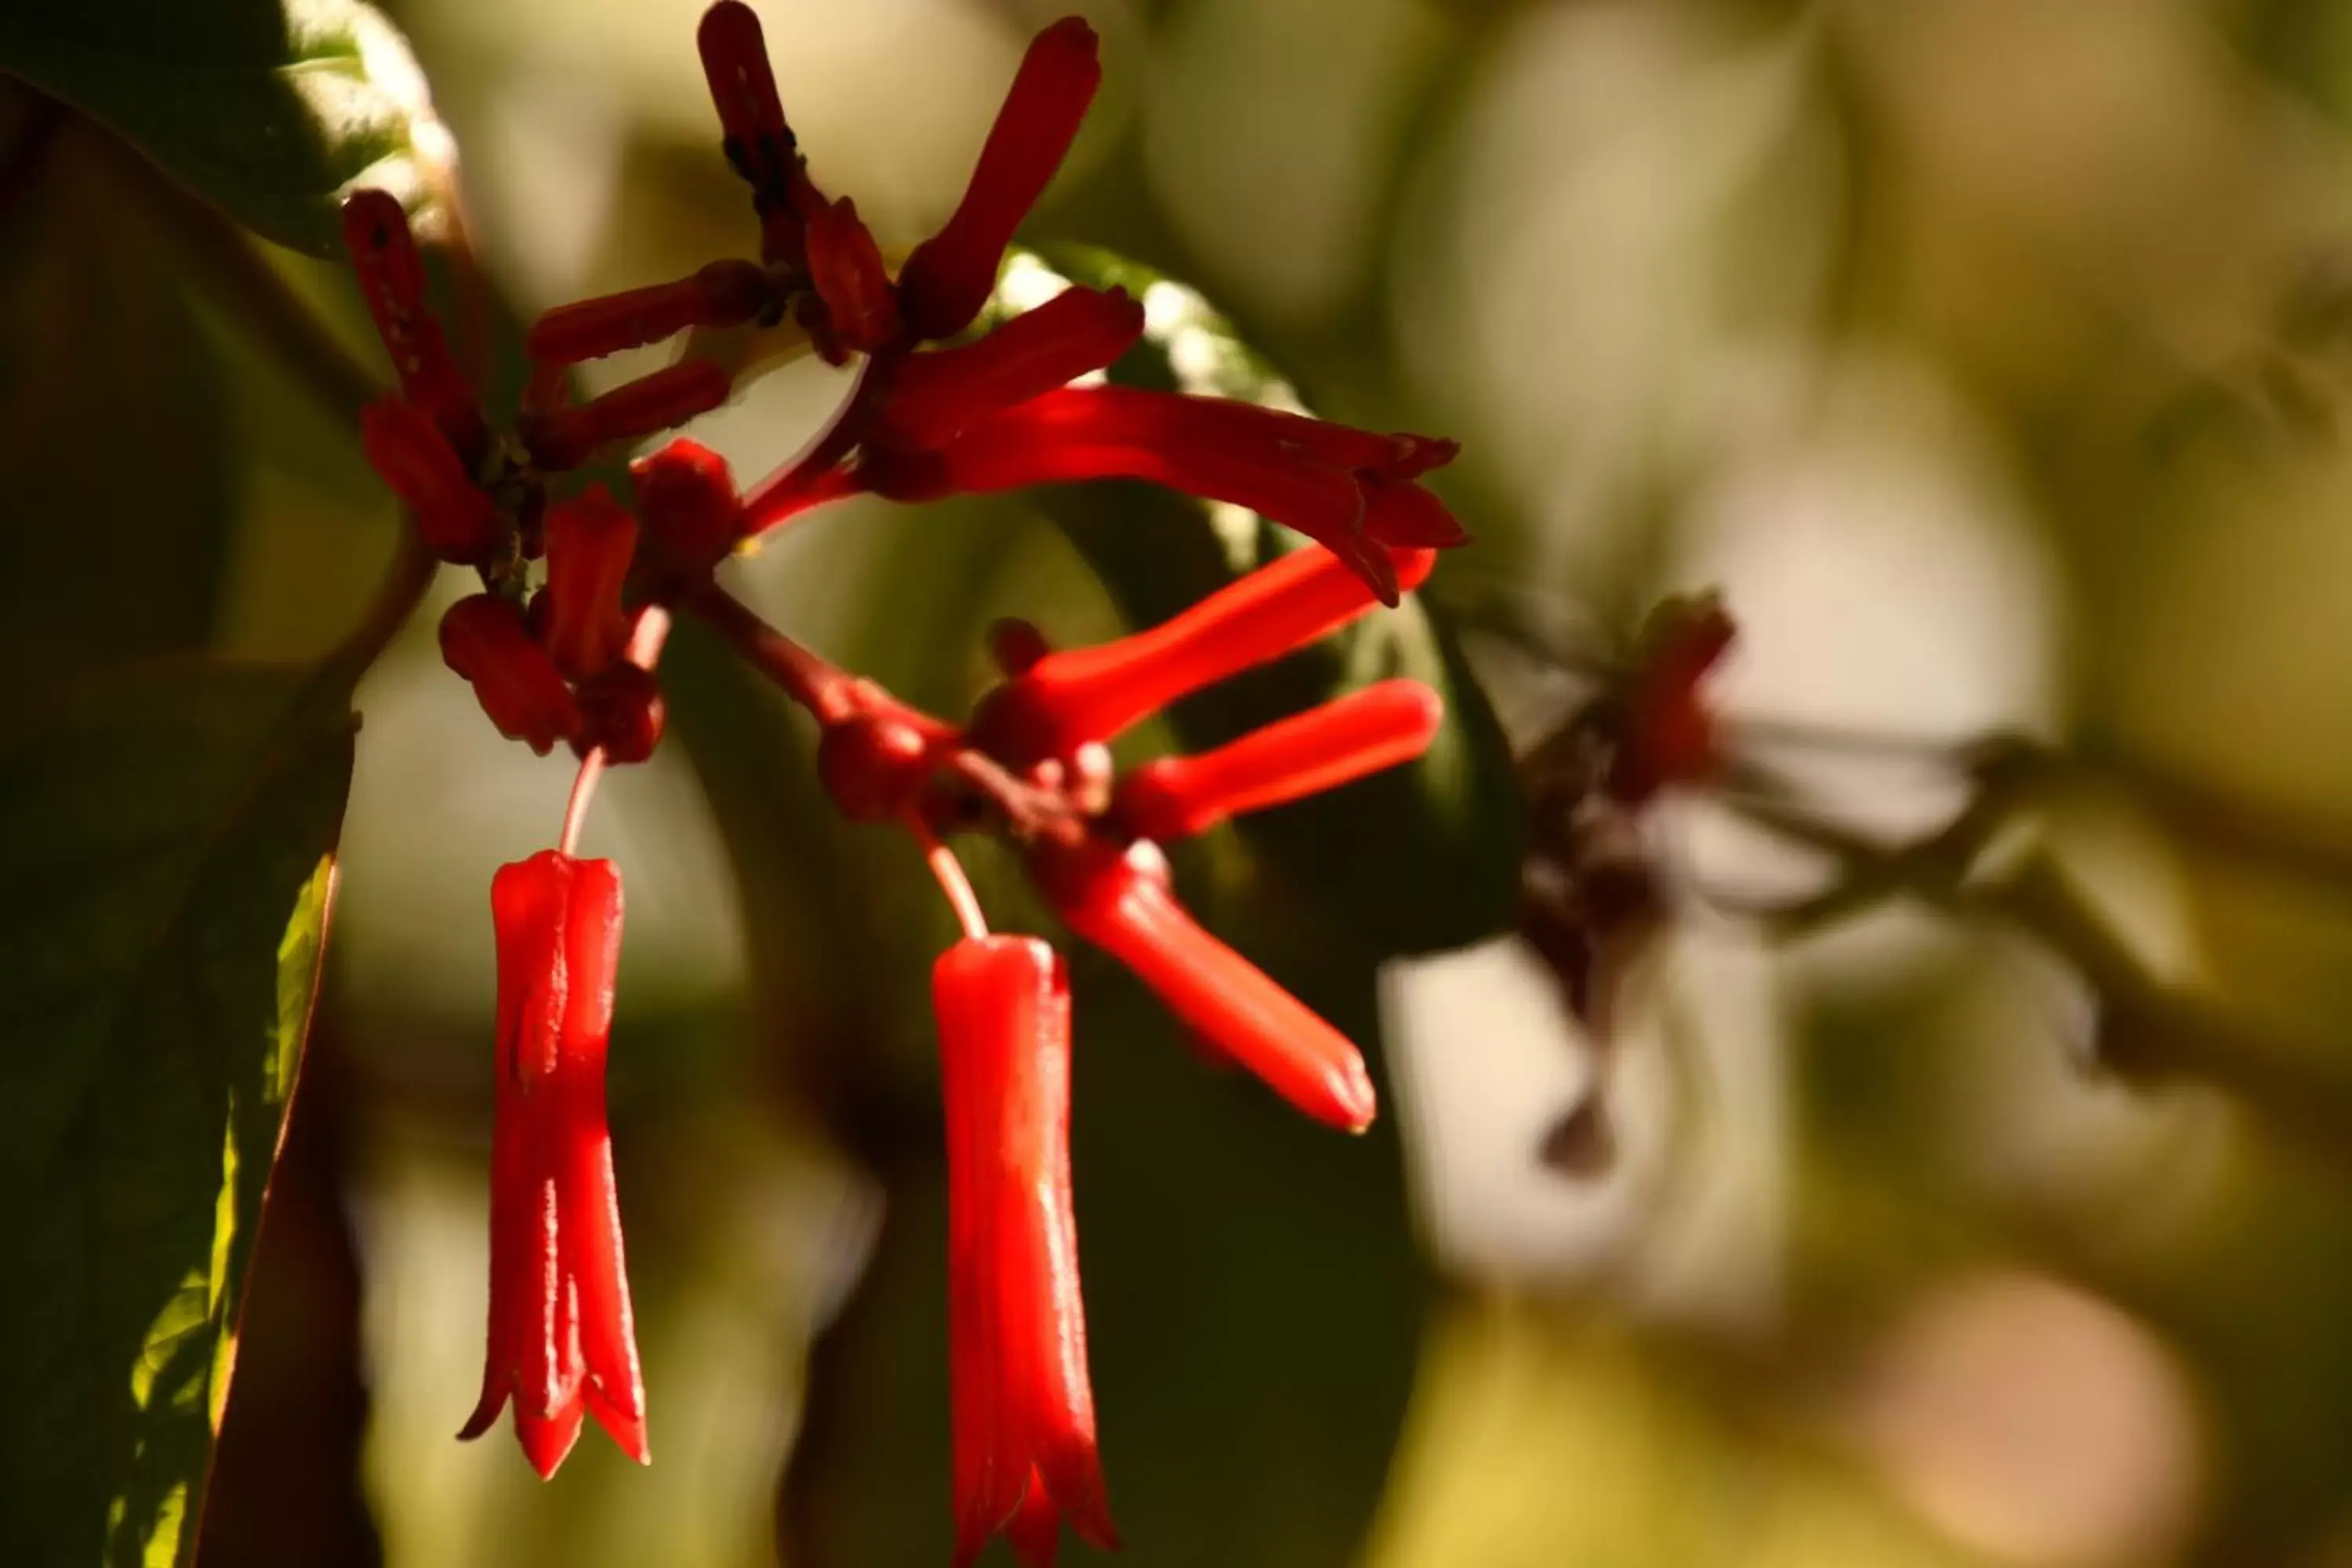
1447 827
116 452
271 109
167 841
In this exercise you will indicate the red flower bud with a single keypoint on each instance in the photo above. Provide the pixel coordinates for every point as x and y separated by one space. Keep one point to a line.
1068 698
590 540
873 765
723 294
686 497
759 145
484 640
565 438
934 396
1121 903
403 446
1021 1408
1383 724
845 266
621 712
949 275
1669 733
392 281
562 1342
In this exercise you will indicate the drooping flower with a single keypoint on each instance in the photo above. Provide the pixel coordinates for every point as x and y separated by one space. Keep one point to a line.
590 540
485 639
1119 900
562 1343
1022 1407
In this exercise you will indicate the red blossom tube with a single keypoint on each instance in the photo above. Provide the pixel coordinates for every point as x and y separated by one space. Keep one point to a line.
686 495
1021 1405
561 1341
590 540
1111 432
949 275
1384 724
1398 455
1670 732
1068 698
392 281
759 145
1122 905
565 438
846 266
934 396
484 640
407 449
723 294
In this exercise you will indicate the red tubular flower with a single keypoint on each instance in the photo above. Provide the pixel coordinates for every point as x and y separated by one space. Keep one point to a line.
687 496
1065 699
403 446
723 294
845 267
564 439
392 281
484 640
948 278
934 396
1390 722
590 540
561 1339
1670 735
759 145
1270 462
1121 903
1022 1411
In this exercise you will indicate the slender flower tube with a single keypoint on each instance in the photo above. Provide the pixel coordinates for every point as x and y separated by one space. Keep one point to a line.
1066 700
758 144
590 540
1669 731
1021 1405
564 439
562 1343
1233 452
934 396
845 267
392 281
1121 903
1390 722
407 449
484 638
723 294
948 278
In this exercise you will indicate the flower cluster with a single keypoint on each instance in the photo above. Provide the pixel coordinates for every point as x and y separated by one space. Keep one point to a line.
578 589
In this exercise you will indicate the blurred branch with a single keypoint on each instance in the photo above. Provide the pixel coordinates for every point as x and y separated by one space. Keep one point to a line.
2147 1031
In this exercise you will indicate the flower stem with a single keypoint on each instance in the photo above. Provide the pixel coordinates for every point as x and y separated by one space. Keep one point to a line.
817 685
953 881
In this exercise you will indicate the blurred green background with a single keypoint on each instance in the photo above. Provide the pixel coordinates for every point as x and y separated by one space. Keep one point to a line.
1993 356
